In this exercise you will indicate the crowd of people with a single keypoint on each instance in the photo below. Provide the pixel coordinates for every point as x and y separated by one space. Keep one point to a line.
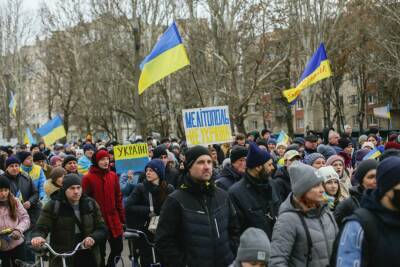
317 200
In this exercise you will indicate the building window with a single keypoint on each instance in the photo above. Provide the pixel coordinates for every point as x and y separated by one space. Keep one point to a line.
300 124
354 120
372 99
254 124
353 100
371 120
299 104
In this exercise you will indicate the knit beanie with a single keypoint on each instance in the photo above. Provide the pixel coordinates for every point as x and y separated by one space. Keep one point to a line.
38 156
326 151
70 180
68 159
57 173
311 138
238 152
334 158
22 155
159 151
293 147
98 155
12 160
256 156
360 154
4 182
263 142
310 158
364 167
87 147
254 246
344 142
193 153
328 173
299 141
54 159
271 141
158 166
387 175
303 177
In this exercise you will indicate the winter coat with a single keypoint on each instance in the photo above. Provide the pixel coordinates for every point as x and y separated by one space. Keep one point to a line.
282 182
49 189
103 186
227 177
24 189
345 185
21 224
127 186
137 206
37 175
256 203
349 205
197 227
61 225
289 245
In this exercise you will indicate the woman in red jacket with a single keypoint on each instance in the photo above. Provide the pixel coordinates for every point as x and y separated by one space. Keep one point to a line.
103 185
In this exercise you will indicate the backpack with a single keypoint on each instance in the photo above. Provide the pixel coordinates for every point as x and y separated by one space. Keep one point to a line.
369 223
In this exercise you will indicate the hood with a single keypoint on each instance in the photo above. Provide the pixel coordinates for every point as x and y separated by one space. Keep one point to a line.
370 201
229 172
97 171
356 191
288 206
50 187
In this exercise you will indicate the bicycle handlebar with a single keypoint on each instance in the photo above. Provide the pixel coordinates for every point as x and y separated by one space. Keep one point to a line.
134 233
47 246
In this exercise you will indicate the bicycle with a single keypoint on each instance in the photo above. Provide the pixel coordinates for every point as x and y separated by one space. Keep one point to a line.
42 252
130 235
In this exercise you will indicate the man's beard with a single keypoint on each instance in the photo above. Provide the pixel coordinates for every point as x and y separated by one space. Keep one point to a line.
264 174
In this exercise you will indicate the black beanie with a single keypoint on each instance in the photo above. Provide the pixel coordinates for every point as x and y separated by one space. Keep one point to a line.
68 159
193 154
12 160
22 155
387 175
364 167
344 142
4 182
159 151
238 152
39 156
70 180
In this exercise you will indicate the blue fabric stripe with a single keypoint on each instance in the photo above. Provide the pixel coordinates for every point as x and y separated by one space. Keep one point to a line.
50 126
315 61
168 40
136 165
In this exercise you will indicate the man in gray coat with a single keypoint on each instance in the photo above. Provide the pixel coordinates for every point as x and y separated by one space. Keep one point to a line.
305 230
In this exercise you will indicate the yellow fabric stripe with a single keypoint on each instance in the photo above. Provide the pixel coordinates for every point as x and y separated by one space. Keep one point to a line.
322 72
54 135
163 65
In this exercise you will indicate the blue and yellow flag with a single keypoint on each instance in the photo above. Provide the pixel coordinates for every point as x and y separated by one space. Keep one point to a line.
13 105
28 137
318 68
382 112
283 138
52 130
167 56
373 154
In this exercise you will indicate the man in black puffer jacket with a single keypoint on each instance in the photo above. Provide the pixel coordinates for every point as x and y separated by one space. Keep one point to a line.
197 224
233 172
255 197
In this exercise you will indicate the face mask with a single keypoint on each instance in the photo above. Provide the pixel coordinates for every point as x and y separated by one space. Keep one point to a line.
396 198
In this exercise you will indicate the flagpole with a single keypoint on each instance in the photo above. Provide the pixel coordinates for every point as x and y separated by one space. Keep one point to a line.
197 87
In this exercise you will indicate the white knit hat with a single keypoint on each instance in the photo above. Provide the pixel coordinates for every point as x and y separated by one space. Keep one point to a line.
328 173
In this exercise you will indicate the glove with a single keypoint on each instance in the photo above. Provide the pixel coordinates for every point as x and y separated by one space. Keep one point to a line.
16 235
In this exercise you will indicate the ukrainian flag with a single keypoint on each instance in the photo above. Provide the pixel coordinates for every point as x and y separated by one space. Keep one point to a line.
373 154
28 138
382 112
13 105
167 56
283 138
318 68
52 130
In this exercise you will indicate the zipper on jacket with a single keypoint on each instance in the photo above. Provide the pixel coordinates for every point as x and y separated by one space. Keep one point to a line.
216 227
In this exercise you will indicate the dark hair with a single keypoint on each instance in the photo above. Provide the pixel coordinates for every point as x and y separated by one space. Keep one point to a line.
391 152
163 191
12 205
3 158
240 136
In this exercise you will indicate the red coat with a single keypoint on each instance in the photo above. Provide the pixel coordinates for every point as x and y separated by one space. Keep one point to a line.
103 186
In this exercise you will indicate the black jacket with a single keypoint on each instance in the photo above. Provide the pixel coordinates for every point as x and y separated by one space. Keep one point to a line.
282 182
349 205
137 205
256 203
24 189
197 227
227 177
